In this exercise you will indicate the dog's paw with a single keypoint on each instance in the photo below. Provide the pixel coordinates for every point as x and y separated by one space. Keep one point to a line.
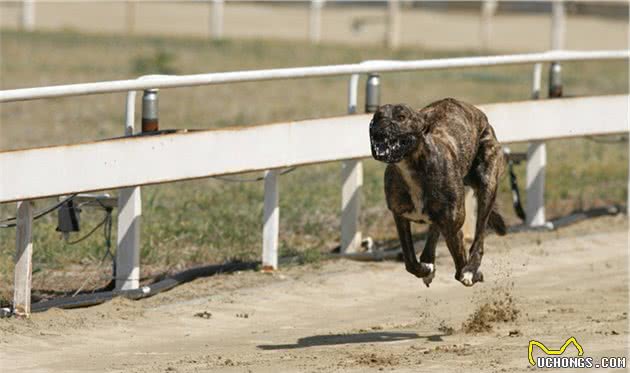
469 278
428 278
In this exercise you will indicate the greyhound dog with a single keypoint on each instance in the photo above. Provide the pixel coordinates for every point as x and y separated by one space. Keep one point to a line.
434 156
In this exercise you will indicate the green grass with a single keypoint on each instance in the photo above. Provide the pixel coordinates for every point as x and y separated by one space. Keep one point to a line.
210 221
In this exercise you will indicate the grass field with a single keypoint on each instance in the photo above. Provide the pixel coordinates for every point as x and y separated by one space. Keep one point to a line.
210 221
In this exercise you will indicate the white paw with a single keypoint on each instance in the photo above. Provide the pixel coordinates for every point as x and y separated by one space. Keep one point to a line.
467 278
429 278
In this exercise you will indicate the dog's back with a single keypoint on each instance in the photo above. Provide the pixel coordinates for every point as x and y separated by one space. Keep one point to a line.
456 127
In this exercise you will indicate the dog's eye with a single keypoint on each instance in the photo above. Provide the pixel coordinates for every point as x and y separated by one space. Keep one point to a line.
401 117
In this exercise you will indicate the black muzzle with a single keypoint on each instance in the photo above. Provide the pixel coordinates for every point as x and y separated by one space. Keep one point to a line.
391 146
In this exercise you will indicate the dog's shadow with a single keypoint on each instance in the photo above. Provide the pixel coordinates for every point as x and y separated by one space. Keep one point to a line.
339 339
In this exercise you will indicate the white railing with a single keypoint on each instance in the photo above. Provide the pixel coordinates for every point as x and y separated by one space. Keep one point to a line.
304 72
143 160
115 163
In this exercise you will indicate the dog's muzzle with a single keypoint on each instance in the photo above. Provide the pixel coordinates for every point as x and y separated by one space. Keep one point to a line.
391 146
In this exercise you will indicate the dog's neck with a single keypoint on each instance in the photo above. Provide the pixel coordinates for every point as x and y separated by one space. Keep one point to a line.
411 160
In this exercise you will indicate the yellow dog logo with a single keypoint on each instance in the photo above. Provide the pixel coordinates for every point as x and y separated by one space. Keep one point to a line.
560 351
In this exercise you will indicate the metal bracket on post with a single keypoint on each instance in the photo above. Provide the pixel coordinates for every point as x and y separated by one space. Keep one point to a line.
271 222
555 80
23 259
150 109
129 216
372 92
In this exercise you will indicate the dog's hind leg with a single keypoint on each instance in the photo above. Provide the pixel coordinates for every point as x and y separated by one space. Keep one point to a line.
471 215
485 175
427 259
449 219
409 253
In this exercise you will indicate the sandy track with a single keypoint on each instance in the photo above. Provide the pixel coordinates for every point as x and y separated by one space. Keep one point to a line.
349 316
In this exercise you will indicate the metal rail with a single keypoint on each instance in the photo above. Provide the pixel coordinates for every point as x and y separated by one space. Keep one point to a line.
23 94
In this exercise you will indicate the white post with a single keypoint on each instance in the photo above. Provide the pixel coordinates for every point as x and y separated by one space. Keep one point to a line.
558 24
535 170
352 182
535 176
393 23
23 259
28 15
129 216
130 16
315 21
216 19
271 222
488 9
537 151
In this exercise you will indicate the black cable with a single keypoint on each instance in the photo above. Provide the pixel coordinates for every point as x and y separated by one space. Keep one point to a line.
107 234
516 194
250 180
107 217
38 214
84 300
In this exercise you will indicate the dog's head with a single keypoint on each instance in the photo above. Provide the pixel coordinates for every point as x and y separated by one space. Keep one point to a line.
393 132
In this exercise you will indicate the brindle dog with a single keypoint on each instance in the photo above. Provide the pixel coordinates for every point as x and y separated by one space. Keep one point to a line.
433 156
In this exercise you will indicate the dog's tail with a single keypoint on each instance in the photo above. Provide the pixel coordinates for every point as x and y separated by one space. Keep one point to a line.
496 221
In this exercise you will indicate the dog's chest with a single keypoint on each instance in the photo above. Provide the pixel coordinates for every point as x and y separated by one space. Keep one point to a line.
415 192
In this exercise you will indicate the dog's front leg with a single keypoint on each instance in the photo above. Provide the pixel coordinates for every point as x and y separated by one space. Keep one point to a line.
455 242
409 253
427 259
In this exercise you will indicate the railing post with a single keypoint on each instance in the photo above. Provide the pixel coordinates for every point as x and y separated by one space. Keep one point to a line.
352 170
535 169
23 259
488 9
351 184
537 151
315 21
271 222
130 16
28 15
129 216
216 19
393 23
535 180
558 24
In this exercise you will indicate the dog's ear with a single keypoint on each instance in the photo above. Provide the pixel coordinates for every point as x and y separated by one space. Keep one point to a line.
424 122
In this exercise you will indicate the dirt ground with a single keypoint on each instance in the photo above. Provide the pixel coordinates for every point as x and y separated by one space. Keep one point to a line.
354 316
356 25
